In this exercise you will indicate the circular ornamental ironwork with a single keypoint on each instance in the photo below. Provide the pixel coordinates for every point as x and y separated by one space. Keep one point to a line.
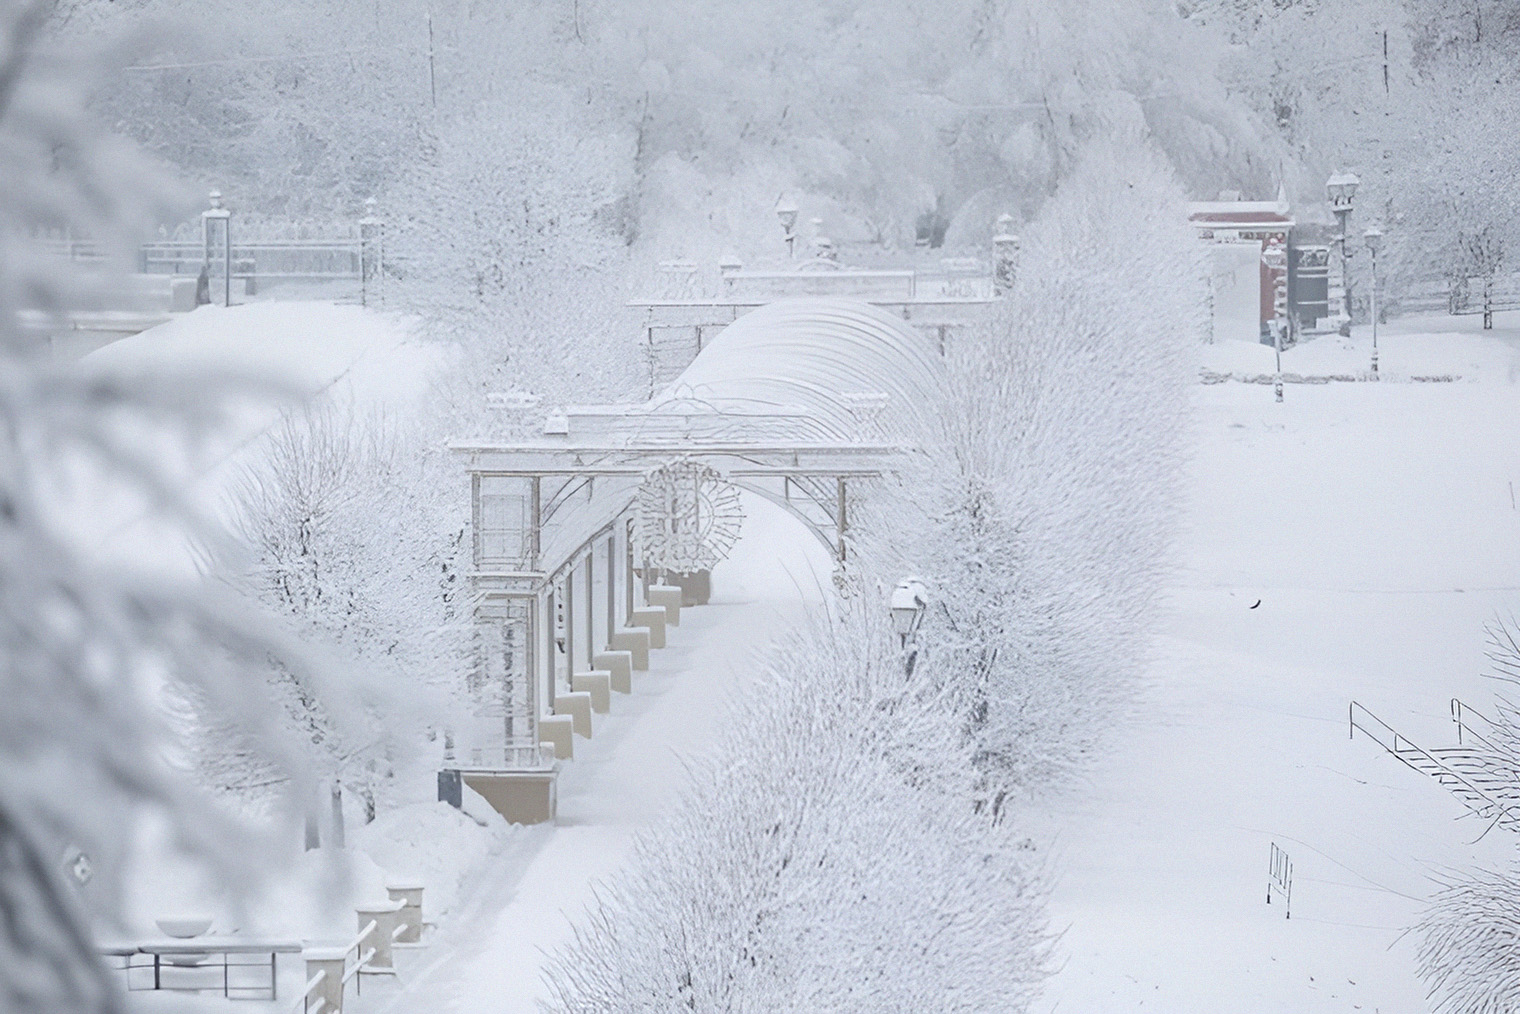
689 517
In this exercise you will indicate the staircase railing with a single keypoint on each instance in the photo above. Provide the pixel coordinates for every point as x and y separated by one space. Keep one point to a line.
1462 714
1389 738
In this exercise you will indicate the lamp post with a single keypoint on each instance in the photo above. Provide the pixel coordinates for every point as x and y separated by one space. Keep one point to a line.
786 211
1341 190
216 231
910 599
1005 255
1275 258
1373 237
371 253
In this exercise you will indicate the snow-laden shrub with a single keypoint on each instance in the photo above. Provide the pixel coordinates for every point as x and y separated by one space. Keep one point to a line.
1039 513
824 858
1468 954
343 535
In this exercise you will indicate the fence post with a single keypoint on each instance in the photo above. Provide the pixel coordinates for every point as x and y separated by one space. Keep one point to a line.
450 788
328 961
1005 255
337 816
216 230
409 893
386 916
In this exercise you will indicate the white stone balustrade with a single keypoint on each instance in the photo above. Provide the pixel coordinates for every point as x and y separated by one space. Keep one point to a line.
558 733
635 641
668 597
328 963
409 893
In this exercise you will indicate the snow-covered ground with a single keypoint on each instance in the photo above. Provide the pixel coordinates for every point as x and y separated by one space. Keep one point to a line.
1348 544
1376 526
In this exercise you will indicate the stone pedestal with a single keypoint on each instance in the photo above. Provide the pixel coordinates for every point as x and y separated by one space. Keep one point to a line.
328 961
578 707
635 642
669 598
619 664
597 683
521 797
557 731
386 916
652 618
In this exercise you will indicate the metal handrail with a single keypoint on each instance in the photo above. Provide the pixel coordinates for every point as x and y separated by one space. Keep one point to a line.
301 1001
361 957
360 966
1502 810
1459 709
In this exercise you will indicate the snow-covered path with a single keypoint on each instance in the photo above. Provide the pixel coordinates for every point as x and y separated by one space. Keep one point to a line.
488 958
1375 525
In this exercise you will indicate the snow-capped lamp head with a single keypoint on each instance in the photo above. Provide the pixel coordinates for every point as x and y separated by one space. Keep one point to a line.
1340 188
1373 237
910 599
786 211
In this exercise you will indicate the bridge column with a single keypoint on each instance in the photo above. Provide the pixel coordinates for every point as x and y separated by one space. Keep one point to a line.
840 519
611 586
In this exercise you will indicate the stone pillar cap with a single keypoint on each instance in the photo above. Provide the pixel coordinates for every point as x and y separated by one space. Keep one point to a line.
404 885
324 952
389 905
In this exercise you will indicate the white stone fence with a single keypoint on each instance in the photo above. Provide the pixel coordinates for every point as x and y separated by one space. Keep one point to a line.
383 927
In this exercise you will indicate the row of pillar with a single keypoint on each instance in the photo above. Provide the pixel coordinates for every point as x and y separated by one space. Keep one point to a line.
583 610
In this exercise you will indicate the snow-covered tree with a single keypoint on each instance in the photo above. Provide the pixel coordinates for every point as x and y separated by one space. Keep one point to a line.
1039 513
888 120
824 860
88 646
344 534
511 241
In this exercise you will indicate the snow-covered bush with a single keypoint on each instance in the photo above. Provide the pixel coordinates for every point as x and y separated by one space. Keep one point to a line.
344 535
1467 949
824 859
1467 952
1040 510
